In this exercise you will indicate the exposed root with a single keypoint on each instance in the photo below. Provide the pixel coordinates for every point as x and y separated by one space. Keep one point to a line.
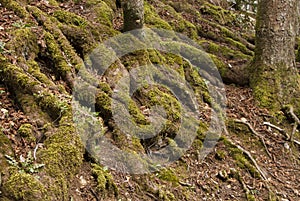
255 133
282 131
291 111
248 154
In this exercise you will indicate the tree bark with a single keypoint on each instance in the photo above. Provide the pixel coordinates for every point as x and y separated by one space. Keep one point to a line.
133 11
273 74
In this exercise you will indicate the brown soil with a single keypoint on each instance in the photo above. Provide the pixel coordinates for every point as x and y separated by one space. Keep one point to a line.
217 177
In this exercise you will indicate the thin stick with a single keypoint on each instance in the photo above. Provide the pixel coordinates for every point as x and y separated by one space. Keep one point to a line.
296 119
249 156
255 133
294 131
275 127
35 150
288 138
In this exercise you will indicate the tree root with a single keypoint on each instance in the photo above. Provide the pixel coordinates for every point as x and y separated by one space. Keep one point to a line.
248 154
255 133
286 135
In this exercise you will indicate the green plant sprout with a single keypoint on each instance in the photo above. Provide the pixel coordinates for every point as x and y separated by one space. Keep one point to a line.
25 165
20 24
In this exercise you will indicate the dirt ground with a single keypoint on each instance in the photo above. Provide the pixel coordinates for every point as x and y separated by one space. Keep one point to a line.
222 175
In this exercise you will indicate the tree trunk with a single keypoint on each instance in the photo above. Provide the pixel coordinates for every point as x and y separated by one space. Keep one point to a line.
133 11
273 74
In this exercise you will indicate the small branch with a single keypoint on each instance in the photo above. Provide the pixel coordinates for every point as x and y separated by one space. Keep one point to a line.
253 161
297 122
296 119
293 131
185 184
248 154
255 133
288 138
277 128
94 194
35 150
296 142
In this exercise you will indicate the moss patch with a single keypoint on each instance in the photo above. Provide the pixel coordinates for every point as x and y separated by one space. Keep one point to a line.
105 182
26 131
23 186
153 19
168 175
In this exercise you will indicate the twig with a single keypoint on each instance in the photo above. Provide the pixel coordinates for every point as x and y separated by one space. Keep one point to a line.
249 156
253 161
35 150
255 133
277 128
185 184
240 179
94 194
297 122
288 138
296 142
293 131
296 119
151 195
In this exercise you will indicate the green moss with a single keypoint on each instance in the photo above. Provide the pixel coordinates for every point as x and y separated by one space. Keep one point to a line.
219 14
82 39
103 105
53 3
23 186
70 18
220 155
183 7
104 13
177 22
136 145
175 62
250 197
57 41
194 78
165 195
135 59
15 75
5 149
26 131
55 54
32 110
64 150
105 88
16 7
24 43
156 57
49 103
105 182
223 51
203 127
153 19
135 113
34 70
62 156
166 100
240 46
241 160
222 67
176 151
197 144
265 85
120 139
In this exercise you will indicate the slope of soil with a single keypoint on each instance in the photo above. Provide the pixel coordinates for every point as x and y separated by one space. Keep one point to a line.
42 45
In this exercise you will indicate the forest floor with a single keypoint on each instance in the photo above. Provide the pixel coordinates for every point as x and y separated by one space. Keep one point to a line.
214 178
